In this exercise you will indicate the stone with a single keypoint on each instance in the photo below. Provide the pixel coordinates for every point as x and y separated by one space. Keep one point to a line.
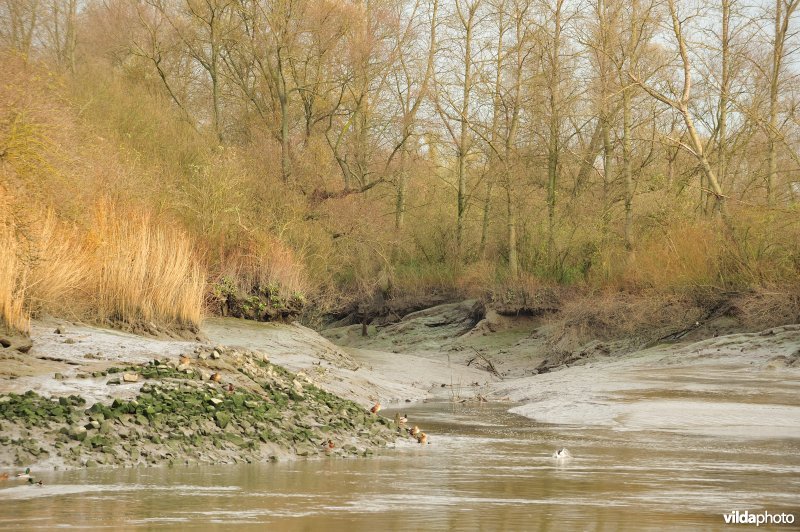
216 401
78 433
91 463
222 419
114 382
60 330
69 341
130 377
203 356
58 377
25 346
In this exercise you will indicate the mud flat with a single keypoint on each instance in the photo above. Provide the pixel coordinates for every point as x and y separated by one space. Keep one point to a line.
86 396
363 374
739 385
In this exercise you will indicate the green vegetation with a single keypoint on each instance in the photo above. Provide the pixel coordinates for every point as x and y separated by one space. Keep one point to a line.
176 417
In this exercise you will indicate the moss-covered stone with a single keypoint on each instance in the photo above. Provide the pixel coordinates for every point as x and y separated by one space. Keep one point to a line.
174 416
222 419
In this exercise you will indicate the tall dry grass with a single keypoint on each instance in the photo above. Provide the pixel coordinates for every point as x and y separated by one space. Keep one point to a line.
125 269
141 271
685 255
12 282
60 268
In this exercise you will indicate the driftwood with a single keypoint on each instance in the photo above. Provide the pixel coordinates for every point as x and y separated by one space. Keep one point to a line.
487 364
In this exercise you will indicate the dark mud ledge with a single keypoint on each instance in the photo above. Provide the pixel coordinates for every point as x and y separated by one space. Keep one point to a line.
181 415
14 341
175 331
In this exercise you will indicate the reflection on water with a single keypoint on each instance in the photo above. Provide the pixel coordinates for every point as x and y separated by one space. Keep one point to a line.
484 469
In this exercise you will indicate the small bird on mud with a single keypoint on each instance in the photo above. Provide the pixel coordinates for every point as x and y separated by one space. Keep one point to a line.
39 483
422 438
25 475
230 387
414 431
216 377
403 419
375 409
328 445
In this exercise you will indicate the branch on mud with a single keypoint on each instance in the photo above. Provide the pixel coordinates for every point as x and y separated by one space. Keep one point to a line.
487 364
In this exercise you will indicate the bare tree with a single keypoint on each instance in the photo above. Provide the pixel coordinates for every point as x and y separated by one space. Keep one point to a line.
554 88
784 9
459 113
410 102
681 103
18 22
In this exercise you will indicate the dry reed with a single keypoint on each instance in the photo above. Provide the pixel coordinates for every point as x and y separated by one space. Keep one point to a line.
12 282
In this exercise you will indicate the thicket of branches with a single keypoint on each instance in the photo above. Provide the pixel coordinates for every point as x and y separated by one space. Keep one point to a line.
344 146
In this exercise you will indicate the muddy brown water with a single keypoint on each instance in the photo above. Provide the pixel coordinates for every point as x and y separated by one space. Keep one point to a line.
485 469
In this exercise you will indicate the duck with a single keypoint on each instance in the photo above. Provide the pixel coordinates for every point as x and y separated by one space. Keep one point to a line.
414 431
562 454
422 438
375 409
403 419
39 483
25 475
329 445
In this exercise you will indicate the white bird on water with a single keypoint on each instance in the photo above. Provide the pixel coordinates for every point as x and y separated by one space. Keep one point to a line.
562 454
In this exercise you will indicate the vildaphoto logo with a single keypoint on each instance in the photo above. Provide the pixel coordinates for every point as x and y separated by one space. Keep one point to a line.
762 518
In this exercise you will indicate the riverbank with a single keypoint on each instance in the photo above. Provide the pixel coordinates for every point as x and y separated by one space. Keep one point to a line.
710 380
86 396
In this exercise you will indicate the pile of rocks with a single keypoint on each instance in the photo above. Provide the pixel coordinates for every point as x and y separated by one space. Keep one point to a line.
216 405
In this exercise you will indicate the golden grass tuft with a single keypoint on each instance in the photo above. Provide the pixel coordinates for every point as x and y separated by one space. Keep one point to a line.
125 269
686 255
60 268
141 271
12 282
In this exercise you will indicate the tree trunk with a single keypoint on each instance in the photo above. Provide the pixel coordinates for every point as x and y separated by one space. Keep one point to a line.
464 139
627 167
487 208
722 157
554 147
513 260
283 100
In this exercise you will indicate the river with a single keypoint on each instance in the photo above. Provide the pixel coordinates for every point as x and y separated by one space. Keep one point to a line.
483 469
